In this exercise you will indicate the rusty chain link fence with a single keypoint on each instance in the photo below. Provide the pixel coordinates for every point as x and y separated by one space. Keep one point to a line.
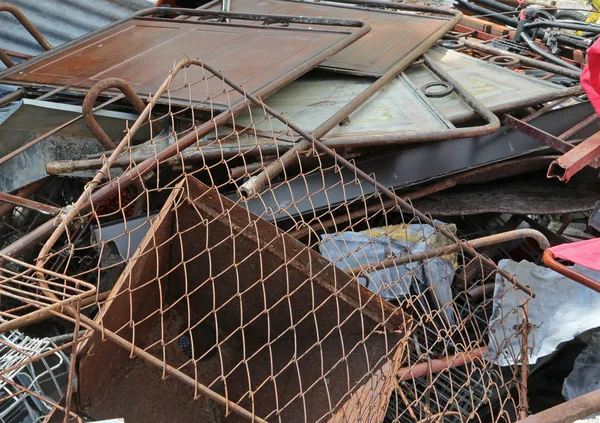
317 295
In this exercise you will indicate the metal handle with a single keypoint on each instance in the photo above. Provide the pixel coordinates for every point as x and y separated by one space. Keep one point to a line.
90 100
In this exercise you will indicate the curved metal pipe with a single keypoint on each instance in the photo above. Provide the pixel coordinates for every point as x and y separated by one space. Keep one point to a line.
550 261
35 33
90 99
533 46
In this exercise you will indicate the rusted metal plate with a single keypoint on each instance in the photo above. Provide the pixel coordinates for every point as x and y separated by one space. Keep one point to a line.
393 35
493 85
143 50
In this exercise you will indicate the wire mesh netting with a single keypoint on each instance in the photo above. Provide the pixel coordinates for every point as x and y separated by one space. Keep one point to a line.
317 295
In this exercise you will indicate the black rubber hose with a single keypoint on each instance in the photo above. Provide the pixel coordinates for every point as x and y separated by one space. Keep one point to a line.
489 14
549 56
495 5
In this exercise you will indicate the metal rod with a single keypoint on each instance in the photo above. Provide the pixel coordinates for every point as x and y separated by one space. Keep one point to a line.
98 88
35 33
573 161
550 261
458 247
576 128
18 94
491 126
548 67
17 200
4 58
436 366
28 191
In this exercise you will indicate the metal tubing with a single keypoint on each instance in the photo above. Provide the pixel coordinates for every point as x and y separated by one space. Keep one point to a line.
35 33
18 94
4 58
61 167
548 67
551 57
568 412
91 97
442 251
436 366
489 14
17 200
573 161
490 127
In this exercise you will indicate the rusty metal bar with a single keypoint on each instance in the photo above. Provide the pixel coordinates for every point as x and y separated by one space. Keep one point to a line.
35 33
548 67
442 251
4 58
550 261
17 200
557 143
61 167
436 366
25 192
91 97
576 159
570 411
576 128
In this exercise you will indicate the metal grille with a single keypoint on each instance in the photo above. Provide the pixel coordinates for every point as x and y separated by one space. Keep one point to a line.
257 311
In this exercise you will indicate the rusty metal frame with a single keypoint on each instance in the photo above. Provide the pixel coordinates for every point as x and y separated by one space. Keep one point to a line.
98 88
353 30
550 261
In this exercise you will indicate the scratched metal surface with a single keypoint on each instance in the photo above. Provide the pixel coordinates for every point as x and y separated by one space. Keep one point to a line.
142 51
393 34
491 84
312 99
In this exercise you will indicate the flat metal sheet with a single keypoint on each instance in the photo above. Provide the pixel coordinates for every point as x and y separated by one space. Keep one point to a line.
493 85
393 35
411 166
311 100
142 51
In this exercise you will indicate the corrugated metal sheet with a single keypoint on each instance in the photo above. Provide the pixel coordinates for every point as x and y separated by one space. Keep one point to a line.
61 21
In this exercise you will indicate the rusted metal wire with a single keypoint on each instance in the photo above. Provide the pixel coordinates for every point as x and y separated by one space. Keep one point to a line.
436 366
35 33
91 97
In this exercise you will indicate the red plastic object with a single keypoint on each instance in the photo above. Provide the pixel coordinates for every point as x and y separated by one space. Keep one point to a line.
590 76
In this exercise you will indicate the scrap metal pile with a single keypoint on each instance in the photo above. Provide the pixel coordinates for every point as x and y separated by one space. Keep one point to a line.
297 211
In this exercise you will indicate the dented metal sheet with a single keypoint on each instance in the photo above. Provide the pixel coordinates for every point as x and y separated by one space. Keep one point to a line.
493 85
312 99
143 50
393 33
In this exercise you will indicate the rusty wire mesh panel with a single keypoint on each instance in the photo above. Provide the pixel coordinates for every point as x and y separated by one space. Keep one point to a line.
359 310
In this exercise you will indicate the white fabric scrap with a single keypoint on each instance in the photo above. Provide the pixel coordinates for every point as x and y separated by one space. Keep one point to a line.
561 310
